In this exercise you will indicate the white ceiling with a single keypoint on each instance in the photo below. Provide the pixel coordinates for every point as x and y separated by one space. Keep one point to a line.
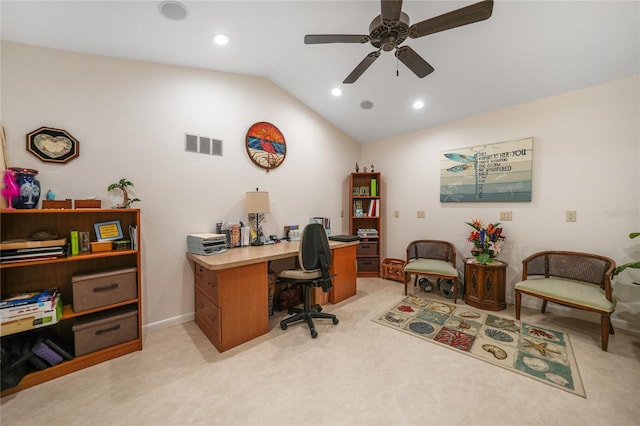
527 50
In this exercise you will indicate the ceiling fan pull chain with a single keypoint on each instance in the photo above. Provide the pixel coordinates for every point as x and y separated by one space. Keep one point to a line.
397 70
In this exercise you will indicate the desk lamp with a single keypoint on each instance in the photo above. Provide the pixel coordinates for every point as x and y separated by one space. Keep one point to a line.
257 202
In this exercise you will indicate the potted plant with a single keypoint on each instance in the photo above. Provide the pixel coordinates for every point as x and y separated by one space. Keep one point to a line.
122 185
634 265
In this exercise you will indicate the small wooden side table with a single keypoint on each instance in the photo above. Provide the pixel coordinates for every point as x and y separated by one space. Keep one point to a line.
484 285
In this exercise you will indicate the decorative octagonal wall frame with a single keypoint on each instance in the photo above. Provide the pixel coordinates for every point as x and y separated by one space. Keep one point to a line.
53 145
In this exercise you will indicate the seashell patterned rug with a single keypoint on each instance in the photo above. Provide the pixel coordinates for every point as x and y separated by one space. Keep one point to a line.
540 353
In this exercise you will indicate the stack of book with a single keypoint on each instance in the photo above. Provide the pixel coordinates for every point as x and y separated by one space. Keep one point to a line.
29 310
26 250
206 244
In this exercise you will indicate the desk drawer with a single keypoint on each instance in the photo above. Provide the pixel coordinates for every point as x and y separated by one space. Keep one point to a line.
366 248
208 318
207 282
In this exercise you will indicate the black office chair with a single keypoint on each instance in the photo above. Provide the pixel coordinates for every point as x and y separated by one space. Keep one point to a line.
314 257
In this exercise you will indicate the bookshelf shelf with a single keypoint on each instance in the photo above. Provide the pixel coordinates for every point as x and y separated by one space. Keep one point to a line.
57 272
366 213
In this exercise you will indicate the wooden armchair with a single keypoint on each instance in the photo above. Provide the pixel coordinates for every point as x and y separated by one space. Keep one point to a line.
432 258
578 280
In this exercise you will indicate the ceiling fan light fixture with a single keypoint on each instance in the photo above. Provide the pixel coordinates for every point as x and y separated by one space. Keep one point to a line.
221 39
173 10
336 91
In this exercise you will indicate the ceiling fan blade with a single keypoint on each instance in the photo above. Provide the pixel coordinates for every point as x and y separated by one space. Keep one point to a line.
390 10
413 61
456 18
335 38
362 67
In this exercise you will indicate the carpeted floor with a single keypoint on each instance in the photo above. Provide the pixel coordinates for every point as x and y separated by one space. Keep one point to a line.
537 352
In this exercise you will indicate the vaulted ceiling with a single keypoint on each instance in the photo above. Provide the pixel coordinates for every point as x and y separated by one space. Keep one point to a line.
526 50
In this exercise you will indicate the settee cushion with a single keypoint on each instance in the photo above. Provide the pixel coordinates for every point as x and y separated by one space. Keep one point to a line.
576 292
431 266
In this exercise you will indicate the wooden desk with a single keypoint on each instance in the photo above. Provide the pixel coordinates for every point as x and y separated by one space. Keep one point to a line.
231 288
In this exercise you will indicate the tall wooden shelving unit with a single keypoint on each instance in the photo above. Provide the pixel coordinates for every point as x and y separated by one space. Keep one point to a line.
38 274
365 213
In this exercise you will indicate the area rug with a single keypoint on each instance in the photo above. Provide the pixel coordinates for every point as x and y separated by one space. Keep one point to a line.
537 352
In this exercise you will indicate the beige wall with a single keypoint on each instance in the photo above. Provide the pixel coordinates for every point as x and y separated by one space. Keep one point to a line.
586 155
130 118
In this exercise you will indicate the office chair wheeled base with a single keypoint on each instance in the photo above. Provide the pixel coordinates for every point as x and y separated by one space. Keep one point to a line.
307 314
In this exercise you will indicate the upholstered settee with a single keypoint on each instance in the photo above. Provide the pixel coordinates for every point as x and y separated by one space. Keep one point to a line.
578 280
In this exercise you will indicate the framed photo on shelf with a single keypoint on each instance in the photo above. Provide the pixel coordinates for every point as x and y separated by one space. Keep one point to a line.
108 231
359 212
364 191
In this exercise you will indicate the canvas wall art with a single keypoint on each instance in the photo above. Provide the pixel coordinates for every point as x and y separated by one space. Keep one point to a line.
493 172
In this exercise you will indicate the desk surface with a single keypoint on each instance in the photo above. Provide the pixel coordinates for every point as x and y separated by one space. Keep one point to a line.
241 256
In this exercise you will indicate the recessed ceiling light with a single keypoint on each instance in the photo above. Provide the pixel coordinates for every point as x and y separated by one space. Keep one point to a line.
173 10
221 39
418 105
336 91
366 104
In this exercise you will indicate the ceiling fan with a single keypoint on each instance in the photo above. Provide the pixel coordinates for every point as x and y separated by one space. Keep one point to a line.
388 30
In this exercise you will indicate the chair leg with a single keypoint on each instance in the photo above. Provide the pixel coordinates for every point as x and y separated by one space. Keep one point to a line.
605 327
544 306
518 301
307 314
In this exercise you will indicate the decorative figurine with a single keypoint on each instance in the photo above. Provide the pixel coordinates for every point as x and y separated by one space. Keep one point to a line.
51 195
122 185
372 168
357 167
365 169
10 189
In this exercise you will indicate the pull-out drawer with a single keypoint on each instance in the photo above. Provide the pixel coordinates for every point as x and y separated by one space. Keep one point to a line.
207 281
208 318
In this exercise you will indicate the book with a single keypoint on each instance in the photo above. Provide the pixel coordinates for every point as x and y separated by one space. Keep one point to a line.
133 236
75 243
374 187
30 253
24 244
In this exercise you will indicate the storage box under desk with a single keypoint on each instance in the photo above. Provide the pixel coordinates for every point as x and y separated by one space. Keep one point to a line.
101 330
102 288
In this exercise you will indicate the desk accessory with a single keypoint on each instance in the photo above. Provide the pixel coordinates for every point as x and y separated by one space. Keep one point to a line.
257 203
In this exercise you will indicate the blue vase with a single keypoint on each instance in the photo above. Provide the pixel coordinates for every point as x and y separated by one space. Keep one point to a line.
29 188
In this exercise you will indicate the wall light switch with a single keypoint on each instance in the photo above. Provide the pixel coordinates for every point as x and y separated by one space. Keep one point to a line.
341 213
570 216
505 215
421 214
396 213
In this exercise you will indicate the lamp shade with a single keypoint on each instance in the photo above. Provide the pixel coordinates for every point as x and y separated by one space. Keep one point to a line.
257 202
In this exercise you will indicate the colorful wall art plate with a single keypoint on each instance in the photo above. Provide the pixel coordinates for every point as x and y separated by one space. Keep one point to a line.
265 145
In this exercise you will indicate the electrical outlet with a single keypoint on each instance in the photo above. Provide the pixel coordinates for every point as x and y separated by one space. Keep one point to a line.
421 214
341 213
505 215
396 213
570 216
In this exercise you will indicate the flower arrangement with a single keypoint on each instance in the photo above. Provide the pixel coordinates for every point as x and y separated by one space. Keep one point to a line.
487 241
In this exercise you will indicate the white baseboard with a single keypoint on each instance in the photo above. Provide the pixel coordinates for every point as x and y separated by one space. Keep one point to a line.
170 322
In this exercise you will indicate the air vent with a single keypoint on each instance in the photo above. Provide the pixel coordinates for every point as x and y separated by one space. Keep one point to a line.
202 145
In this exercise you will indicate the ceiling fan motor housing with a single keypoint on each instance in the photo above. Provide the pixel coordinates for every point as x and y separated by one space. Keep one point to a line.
387 35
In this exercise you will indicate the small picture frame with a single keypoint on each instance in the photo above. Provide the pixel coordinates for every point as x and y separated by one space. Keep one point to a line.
108 231
364 191
84 240
359 213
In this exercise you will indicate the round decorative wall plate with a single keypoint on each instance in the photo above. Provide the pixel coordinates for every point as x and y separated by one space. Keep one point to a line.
53 145
265 145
